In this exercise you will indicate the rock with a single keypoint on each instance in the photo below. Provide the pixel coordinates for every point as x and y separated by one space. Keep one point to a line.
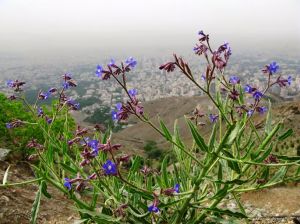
4 154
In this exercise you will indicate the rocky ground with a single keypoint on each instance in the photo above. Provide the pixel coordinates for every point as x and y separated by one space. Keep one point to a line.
276 205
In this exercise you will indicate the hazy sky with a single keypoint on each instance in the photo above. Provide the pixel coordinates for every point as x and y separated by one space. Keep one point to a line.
42 26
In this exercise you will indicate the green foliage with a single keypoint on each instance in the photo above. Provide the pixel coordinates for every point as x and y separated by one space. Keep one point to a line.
18 138
152 151
239 156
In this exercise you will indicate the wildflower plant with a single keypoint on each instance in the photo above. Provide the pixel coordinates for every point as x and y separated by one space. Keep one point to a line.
109 186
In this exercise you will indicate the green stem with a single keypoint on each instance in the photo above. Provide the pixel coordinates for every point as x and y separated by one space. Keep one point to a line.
21 183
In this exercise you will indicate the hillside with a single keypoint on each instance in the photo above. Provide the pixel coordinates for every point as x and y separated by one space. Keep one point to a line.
134 137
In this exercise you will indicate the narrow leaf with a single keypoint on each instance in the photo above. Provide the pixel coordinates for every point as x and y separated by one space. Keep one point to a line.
164 172
36 206
285 135
165 130
197 137
5 176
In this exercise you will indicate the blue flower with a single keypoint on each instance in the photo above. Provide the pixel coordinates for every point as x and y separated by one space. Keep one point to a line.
112 62
273 67
234 80
248 89
68 184
119 106
99 71
131 62
93 144
9 125
257 95
44 96
153 208
250 112
176 188
65 85
40 112
289 80
213 118
201 33
114 115
10 83
203 77
71 103
110 168
48 120
132 92
262 110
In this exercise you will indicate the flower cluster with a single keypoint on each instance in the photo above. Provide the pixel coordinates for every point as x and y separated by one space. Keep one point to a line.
14 124
115 70
46 95
133 106
16 85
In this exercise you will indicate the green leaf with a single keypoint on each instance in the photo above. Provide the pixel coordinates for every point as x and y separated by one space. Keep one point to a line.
266 141
100 217
265 154
36 206
278 175
232 136
164 172
67 167
197 137
212 139
227 212
165 130
268 126
232 164
285 135
221 193
4 181
44 189
288 158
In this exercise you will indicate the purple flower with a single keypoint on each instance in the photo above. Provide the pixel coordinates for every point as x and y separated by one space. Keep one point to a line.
203 77
257 95
213 118
273 67
48 120
68 184
93 144
262 110
169 67
44 96
132 92
99 71
289 80
153 208
72 104
40 112
67 76
114 115
112 62
52 90
131 62
9 125
65 85
249 89
110 168
10 83
250 112
119 106
201 33
234 80
14 124
176 188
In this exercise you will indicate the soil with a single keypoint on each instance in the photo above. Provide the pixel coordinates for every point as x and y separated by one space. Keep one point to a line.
276 205
16 202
